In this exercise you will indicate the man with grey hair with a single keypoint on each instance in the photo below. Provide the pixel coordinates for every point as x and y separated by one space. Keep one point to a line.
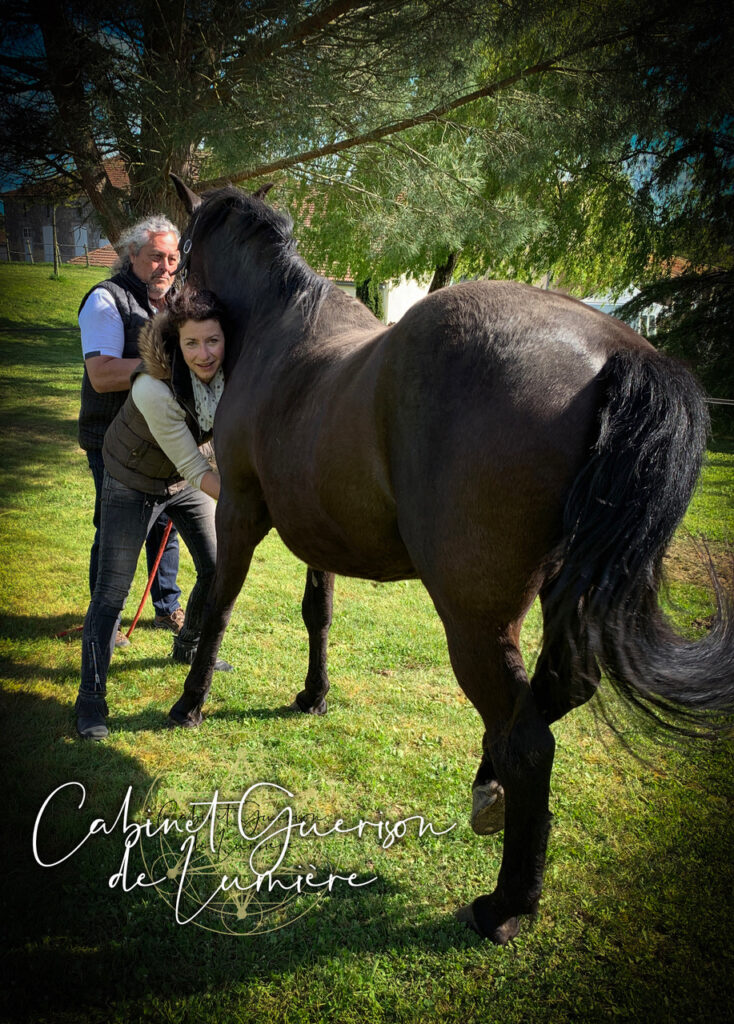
110 317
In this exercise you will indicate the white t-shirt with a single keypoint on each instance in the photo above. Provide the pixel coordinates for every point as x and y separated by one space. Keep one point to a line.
101 324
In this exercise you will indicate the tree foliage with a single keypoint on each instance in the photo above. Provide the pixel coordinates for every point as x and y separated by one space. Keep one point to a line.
156 81
588 142
688 178
331 91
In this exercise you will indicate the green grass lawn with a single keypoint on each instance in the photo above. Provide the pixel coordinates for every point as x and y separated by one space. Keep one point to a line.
635 921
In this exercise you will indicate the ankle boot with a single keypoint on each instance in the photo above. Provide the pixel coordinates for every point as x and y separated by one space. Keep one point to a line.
91 714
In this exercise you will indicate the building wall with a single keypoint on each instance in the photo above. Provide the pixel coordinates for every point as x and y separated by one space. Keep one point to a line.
399 296
28 227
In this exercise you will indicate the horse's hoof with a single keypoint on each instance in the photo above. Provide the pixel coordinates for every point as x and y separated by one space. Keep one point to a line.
465 915
488 808
499 934
181 716
192 721
314 709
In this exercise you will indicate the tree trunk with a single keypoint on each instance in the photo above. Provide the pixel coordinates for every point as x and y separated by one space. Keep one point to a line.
54 240
67 86
444 272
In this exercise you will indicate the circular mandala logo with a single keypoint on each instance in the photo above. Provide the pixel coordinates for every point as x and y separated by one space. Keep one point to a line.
222 862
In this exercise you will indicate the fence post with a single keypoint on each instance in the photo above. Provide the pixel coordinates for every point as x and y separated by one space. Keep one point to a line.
30 250
54 240
7 249
86 253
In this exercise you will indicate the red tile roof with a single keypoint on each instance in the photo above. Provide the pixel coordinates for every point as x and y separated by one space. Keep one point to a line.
116 173
104 257
59 188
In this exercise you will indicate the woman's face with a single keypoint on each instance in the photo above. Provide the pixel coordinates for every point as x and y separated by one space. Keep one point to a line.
202 345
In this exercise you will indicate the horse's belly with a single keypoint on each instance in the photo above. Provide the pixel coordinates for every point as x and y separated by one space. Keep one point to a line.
369 550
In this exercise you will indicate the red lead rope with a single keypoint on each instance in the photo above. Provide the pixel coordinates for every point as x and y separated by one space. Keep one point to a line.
153 571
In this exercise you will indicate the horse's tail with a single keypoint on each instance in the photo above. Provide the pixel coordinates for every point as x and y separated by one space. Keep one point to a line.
601 607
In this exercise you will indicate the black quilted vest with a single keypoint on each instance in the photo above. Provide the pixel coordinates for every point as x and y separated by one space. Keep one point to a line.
98 410
131 453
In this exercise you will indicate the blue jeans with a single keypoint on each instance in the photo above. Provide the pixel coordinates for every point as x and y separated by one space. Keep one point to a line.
165 593
126 517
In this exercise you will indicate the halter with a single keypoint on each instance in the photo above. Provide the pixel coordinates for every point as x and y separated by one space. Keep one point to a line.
182 269
183 266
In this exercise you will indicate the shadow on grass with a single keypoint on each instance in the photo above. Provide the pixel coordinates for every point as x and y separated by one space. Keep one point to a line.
29 627
78 949
42 439
154 719
722 443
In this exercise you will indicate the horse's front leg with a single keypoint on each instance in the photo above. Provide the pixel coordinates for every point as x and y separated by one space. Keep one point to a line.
317 608
242 521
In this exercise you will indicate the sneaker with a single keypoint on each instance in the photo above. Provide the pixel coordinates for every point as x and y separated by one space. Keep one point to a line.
174 621
121 640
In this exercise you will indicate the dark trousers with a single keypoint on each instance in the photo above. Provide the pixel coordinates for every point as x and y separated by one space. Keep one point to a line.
126 516
165 593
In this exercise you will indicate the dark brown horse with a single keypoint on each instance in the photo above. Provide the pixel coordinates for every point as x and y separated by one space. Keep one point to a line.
499 442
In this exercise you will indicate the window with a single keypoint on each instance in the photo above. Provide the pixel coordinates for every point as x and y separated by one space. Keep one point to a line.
646 324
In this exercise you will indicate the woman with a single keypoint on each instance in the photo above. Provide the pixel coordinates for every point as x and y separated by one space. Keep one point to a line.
154 462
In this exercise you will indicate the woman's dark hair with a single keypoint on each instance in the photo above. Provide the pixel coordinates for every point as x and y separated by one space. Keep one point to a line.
193 304
189 304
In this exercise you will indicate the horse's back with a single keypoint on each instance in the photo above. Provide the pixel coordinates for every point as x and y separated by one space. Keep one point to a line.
489 348
510 321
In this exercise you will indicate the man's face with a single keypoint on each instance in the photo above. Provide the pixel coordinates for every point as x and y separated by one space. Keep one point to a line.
156 262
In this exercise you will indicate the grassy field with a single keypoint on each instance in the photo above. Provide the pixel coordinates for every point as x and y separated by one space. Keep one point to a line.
636 919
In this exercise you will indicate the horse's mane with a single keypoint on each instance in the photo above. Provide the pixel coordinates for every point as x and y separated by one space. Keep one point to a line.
294 280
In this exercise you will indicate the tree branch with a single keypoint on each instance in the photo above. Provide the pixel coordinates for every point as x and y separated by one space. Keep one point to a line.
412 122
301 30
30 66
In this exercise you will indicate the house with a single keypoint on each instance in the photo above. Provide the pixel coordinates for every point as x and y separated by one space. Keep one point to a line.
644 323
105 256
30 212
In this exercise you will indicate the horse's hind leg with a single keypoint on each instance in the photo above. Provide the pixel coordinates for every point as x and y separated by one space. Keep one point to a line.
242 522
317 608
490 670
566 675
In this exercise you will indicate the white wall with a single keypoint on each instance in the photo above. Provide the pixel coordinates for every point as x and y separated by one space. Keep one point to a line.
399 296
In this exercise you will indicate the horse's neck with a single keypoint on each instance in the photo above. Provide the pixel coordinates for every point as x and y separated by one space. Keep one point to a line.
281 305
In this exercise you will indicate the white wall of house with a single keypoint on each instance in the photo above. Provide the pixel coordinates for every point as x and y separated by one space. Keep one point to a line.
399 296
80 239
48 243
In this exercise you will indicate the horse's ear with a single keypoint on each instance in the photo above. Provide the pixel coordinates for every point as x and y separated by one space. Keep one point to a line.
263 190
190 199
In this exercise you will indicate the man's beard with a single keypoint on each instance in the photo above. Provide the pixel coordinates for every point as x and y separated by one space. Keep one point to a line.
157 288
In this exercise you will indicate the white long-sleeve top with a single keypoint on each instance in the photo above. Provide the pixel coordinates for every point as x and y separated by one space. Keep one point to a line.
167 422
